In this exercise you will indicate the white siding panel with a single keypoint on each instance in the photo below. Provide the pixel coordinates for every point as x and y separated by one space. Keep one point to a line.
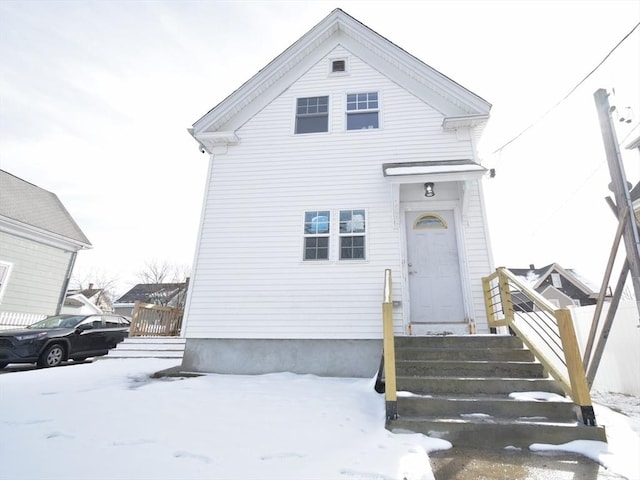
37 275
250 280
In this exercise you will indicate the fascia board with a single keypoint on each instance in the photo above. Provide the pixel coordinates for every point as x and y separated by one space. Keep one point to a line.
573 279
428 84
434 88
269 75
29 232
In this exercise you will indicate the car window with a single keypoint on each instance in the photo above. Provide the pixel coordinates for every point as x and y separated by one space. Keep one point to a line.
94 321
112 321
59 321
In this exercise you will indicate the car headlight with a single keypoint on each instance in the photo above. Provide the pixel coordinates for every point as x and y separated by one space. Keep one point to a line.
30 336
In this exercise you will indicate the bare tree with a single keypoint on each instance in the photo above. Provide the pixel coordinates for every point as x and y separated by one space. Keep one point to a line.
157 272
94 278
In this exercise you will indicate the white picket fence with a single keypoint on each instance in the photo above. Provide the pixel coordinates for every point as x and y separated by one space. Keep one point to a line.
10 320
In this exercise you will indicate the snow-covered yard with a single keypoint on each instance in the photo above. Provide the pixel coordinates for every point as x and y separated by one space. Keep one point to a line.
110 420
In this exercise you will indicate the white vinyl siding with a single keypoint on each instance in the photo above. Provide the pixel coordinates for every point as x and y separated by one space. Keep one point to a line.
242 288
37 275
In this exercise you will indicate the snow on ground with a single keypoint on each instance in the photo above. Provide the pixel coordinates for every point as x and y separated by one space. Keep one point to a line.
110 420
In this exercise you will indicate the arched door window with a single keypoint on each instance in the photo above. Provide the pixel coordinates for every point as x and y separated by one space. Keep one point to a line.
429 221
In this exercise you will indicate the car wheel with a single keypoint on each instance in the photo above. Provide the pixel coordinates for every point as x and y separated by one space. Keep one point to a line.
52 356
3 364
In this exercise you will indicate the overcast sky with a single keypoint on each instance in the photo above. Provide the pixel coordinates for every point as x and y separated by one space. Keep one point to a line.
96 97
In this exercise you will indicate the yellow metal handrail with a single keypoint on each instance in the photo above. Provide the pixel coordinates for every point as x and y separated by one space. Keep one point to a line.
389 352
547 331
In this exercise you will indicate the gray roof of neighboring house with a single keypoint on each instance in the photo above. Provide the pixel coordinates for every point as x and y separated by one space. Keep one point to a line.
31 205
144 292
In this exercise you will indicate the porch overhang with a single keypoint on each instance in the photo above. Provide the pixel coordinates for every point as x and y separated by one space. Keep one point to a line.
435 171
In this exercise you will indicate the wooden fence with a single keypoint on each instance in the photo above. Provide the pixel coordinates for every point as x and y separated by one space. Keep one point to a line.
151 320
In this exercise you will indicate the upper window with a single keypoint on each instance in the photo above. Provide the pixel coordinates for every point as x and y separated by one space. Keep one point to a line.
317 227
352 234
312 115
555 280
338 66
362 111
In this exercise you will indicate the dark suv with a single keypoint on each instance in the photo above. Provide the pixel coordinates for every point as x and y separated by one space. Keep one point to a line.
61 337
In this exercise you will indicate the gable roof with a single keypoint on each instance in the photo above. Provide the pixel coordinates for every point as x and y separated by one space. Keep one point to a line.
24 204
458 105
144 292
535 277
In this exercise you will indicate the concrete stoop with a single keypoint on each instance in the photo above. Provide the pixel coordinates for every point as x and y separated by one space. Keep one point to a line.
149 347
457 388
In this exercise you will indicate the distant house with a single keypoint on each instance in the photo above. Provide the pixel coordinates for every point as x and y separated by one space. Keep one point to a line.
562 287
78 304
343 157
39 242
96 296
167 294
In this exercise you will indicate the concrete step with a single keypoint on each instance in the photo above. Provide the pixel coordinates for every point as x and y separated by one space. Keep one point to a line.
475 386
456 388
487 354
149 347
492 405
498 433
474 368
459 341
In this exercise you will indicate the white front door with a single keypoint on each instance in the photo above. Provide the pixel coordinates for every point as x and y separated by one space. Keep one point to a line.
435 287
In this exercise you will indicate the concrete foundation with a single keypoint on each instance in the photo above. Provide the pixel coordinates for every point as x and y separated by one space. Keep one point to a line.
328 358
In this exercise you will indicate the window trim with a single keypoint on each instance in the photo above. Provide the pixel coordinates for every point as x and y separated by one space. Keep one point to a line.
296 115
306 235
377 110
362 234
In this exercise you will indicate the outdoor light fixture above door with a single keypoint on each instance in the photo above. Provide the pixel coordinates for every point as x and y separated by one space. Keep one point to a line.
428 190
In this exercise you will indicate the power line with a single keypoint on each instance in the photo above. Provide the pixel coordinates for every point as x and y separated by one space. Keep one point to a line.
628 134
570 92
568 198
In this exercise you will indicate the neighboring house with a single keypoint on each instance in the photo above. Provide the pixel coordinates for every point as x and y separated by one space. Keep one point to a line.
167 294
343 157
39 242
78 304
97 296
562 287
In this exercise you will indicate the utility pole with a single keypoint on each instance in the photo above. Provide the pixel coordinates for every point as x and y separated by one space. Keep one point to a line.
620 189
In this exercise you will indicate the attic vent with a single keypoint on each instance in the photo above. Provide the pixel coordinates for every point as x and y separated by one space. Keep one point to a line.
338 66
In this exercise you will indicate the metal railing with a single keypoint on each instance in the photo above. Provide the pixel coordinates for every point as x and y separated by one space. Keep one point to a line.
546 330
389 350
151 320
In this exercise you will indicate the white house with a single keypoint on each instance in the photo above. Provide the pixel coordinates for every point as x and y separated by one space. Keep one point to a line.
341 158
39 242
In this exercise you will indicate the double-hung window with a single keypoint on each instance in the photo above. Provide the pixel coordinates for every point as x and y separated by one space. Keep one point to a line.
317 231
352 234
312 114
362 111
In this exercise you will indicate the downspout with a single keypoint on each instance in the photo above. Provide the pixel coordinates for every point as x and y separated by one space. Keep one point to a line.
67 280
